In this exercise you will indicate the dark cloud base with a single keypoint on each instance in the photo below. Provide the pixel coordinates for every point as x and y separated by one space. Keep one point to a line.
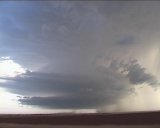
105 87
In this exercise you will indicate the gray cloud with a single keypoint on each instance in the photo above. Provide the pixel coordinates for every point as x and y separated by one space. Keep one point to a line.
137 74
65 102
126 41
79 31
67 45
70 91
103 87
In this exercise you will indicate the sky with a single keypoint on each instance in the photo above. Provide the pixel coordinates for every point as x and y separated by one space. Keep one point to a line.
79 56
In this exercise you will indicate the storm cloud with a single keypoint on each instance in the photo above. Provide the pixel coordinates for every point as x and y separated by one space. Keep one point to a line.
79 54
105 86
69 90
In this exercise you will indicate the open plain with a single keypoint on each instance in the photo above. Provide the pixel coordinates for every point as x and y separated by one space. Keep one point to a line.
99 120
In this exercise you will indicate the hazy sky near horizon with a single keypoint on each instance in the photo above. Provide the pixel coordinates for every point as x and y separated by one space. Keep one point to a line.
77 56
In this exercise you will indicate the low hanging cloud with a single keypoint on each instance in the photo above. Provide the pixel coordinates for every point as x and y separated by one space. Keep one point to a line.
80 101
137 74
94 91
62 41
69 91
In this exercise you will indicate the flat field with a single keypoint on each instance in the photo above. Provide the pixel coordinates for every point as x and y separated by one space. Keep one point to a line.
100 120
76 126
